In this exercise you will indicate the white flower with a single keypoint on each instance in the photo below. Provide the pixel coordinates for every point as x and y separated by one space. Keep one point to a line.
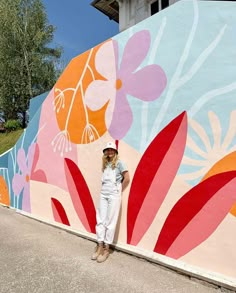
212 151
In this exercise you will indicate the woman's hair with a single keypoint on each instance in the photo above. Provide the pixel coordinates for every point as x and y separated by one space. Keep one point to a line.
113 162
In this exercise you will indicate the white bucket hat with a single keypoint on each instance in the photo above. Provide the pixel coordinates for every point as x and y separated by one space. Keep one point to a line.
110 145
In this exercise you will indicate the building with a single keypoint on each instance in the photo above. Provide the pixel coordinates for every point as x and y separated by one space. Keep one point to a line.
129 12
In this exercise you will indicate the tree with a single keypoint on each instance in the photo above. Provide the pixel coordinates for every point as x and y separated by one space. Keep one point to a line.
28 65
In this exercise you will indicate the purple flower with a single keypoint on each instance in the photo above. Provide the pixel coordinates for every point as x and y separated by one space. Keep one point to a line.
146 84
21 180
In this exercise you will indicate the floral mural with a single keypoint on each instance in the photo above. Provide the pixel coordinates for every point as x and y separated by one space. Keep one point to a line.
164 91
146 84
21 180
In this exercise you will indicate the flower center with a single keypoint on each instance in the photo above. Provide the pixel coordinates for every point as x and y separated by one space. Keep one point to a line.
118 84
27 178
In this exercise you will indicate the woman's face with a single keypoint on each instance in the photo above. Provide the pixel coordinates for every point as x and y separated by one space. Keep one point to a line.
110 153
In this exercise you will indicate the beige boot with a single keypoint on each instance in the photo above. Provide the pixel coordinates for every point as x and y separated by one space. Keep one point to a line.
98 250
104 255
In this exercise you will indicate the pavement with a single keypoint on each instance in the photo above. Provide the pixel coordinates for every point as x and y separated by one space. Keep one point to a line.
36 257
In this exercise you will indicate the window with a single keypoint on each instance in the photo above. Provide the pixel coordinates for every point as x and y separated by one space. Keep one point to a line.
158 5
164 4
154 7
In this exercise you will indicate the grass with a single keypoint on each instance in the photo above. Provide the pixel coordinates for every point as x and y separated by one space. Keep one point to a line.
8 140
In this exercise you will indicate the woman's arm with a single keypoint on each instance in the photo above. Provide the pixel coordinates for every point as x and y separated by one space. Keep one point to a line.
126 180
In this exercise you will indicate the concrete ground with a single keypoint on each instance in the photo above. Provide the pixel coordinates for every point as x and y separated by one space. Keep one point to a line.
36 257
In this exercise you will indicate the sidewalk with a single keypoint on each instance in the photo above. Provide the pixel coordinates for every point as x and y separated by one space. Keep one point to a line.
36 257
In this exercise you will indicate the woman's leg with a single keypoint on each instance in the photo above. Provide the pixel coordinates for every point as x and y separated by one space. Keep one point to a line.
98 250
100 226
101 214
112 217
110 223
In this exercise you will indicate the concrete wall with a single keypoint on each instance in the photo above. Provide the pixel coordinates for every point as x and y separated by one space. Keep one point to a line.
132 12
165 91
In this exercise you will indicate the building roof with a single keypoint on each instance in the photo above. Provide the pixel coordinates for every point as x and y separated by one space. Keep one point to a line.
108 7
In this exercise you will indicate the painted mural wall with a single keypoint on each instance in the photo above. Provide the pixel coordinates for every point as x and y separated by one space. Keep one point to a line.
165 92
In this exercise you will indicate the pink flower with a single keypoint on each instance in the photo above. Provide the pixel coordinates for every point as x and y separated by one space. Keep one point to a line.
21 180
146 84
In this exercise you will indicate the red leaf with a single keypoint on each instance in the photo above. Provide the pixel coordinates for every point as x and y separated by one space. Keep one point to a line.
59 212
197 214
154 176
80 195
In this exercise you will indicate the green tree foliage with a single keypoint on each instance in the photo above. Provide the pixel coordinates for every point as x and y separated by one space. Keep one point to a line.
28 65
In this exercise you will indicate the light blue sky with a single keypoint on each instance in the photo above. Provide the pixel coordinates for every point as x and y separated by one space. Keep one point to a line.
79 25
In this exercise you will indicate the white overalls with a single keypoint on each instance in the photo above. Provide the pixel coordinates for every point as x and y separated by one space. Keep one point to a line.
109 206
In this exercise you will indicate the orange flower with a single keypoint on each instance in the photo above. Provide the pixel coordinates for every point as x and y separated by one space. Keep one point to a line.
78 124
4 194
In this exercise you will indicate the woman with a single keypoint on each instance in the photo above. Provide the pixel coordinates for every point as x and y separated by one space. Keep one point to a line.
115 179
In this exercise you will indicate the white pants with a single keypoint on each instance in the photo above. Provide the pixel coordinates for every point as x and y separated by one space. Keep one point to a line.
108 212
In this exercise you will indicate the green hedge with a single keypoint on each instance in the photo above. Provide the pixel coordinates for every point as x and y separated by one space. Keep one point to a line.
12 125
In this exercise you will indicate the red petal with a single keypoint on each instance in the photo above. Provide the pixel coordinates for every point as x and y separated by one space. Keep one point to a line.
80 195
197 214
39 175
59 212
36 157
154 176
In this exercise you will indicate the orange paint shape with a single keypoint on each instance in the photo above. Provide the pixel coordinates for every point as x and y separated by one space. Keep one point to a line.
82 124
4 194
228 163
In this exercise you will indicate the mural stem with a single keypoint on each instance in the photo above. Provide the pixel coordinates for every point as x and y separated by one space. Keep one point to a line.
176 76
76 89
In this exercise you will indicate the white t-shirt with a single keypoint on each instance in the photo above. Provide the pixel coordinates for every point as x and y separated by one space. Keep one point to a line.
119 169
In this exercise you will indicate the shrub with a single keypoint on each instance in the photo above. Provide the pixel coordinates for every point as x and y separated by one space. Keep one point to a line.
12 125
